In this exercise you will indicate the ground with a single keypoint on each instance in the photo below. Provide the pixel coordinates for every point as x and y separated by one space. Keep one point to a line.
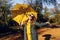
54 32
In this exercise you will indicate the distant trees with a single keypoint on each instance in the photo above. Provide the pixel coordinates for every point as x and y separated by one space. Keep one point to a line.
38 6
4 10
53 16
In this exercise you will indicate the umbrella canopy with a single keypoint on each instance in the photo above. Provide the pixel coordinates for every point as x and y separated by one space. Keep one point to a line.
20 12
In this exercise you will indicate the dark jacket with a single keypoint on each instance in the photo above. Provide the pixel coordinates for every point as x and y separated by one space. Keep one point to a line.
33 31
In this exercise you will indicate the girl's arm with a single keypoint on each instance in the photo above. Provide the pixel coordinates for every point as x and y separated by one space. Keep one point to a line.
42 24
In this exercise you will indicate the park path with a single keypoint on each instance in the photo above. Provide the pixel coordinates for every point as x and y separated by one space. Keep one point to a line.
54 32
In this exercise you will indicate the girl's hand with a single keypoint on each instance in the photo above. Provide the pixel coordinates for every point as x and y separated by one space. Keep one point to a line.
49 23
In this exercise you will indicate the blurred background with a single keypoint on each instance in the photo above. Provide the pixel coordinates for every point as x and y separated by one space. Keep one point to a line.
47 10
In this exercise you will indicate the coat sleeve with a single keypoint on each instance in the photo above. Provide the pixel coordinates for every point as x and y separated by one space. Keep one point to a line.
40 25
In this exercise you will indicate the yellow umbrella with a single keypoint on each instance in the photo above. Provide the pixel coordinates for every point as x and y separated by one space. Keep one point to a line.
20 15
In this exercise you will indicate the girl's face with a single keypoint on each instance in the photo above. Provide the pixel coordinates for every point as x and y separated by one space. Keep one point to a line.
29 17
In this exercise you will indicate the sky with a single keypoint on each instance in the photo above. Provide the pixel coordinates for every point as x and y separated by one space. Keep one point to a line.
22 1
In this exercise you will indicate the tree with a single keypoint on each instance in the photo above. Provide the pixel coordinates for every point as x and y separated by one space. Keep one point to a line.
56 19
5 10
38 6
38 3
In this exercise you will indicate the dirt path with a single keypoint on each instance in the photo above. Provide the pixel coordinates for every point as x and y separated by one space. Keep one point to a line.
12 37
54 32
